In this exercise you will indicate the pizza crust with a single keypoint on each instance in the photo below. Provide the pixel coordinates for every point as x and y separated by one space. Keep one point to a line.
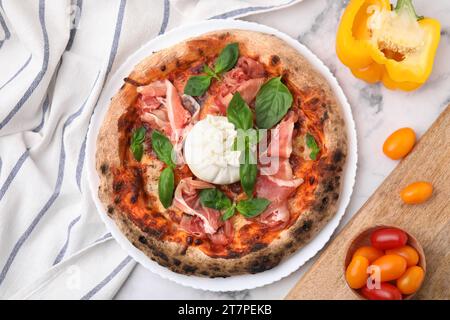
280 58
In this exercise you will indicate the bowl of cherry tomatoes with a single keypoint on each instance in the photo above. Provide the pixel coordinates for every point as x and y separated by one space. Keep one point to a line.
384 263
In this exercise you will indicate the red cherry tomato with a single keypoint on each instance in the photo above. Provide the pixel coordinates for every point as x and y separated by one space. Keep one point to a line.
388 238
386 292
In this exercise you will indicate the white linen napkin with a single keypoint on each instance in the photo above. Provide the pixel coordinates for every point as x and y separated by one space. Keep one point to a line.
55 56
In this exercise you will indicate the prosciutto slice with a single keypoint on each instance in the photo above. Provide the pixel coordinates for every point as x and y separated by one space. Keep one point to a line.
161 105
251 67
277 184
200 220
246 78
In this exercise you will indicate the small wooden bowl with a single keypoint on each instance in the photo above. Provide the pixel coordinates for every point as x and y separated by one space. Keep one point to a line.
363 239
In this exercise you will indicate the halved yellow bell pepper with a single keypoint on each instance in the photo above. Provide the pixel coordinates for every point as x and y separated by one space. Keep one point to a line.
395 47
376 72
353 34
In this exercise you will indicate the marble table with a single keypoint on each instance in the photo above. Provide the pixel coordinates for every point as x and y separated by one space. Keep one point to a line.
376 110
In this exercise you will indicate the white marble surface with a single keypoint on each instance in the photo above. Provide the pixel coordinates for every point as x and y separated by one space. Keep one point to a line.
377 112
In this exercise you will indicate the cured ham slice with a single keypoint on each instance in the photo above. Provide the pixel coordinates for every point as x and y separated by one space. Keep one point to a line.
250 88
193 225
251 67
224 235
200 220
246 78
154 89
187 200
277 184
161 106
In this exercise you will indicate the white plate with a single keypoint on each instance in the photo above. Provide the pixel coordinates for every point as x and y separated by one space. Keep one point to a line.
240 282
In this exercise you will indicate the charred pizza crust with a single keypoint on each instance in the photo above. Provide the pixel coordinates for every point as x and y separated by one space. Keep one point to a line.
280 58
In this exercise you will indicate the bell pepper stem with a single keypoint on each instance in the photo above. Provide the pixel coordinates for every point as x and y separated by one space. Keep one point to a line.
407 6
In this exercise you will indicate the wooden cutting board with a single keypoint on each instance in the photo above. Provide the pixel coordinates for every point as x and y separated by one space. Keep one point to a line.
428 222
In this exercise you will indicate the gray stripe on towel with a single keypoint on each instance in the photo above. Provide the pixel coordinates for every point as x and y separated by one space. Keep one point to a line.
13 173
108 278
241 11
53 197
41 73
18 72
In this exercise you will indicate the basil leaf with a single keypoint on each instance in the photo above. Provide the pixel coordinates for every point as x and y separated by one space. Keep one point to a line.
239 114
210 72
163 148
229 212
166 187
252 207
215 199
137 150
252 136
136 145
197 85
227 58
139 135
248 171
272 103
312 145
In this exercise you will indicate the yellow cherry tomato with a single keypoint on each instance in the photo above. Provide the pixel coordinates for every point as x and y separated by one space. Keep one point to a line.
370 253
417 192
399 143
409 253
411 280
356 273
390 266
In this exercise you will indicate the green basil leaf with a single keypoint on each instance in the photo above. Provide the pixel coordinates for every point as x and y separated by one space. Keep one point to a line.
136 145
166 187
197 85
229 212
163 148
272 103
251 136
137 150
312 145
210 72
248 171
139 135
215 199
227 58
239 113
252 207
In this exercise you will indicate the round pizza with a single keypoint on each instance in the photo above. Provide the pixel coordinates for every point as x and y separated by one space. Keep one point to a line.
223 154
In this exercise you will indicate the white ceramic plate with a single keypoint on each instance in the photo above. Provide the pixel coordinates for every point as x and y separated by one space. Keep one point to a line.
240 282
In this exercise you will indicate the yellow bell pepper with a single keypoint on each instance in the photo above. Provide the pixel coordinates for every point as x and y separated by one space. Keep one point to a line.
380 43
376 72
353 34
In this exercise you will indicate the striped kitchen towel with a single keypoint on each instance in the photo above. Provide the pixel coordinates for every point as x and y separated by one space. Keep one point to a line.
55 56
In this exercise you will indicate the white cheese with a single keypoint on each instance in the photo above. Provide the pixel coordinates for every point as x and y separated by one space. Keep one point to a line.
208 151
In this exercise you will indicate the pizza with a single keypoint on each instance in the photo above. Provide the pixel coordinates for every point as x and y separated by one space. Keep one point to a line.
223 154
